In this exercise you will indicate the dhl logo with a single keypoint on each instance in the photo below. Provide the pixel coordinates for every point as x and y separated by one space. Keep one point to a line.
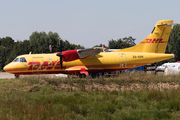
154 41
44 66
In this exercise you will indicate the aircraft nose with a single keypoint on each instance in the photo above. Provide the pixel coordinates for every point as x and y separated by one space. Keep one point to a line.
6 68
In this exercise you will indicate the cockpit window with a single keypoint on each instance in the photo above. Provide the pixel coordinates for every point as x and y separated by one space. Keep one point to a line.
153 30
22 59
16 60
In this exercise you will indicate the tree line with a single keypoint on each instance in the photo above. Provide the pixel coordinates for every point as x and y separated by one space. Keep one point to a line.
39 43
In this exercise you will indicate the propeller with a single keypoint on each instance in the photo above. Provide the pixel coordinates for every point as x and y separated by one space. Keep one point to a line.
60 53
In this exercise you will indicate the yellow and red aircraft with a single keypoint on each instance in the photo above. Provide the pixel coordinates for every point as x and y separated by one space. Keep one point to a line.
87 61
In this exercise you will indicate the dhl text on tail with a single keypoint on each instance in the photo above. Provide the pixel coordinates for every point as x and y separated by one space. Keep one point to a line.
88 61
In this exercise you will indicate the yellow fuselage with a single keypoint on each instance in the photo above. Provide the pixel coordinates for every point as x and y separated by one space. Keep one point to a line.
105 61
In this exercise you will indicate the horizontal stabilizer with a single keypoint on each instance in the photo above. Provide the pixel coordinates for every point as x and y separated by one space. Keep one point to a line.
165 25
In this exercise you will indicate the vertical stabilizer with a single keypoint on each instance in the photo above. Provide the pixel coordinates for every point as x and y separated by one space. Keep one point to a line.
156 42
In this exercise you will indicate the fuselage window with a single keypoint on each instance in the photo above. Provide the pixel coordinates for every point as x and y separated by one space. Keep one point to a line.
22 59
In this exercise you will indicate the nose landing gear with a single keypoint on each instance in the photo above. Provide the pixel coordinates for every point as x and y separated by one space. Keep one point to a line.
16 75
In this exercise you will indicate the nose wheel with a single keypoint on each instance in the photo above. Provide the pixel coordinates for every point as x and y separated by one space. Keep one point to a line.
16 75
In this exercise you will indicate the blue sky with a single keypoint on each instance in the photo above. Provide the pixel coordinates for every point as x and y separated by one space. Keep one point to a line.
85 22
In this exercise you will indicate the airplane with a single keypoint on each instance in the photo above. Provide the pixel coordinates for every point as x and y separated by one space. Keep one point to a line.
162 67
84 62
174 69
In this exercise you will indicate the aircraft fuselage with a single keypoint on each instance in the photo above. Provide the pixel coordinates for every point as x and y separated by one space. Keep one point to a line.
105 61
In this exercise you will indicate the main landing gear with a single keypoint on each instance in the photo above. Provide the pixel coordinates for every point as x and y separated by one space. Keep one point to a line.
83 75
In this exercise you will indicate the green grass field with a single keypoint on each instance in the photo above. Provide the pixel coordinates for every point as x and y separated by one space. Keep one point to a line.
132 96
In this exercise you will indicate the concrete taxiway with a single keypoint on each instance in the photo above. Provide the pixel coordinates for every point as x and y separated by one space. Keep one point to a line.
5 75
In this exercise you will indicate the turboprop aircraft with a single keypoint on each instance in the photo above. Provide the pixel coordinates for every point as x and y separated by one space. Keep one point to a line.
87 61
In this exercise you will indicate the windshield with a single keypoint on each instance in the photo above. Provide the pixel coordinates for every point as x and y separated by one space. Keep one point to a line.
16 60
22 59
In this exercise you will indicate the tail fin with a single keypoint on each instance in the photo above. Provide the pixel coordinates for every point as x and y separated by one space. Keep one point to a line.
156 42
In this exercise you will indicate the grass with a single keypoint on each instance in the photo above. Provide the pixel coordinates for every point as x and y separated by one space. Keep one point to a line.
132 96
1 70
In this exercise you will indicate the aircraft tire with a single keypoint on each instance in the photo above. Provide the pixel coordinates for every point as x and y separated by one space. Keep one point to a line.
16 76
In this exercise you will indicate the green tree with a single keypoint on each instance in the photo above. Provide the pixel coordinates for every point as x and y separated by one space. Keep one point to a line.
122 43
2 57
6 45
7 42
68 46
174 42
39 42
77 46
20 47
100 45
128 42
115 44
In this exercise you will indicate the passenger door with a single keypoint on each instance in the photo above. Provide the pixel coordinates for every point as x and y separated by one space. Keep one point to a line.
123 60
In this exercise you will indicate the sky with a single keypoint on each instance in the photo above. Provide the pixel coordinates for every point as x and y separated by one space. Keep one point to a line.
85 22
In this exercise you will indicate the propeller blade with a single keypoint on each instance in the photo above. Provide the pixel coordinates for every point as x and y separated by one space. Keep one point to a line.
60 45
61 64
60 51
52 48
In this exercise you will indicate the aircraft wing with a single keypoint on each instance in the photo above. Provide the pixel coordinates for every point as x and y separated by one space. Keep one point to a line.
71 55
83 53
